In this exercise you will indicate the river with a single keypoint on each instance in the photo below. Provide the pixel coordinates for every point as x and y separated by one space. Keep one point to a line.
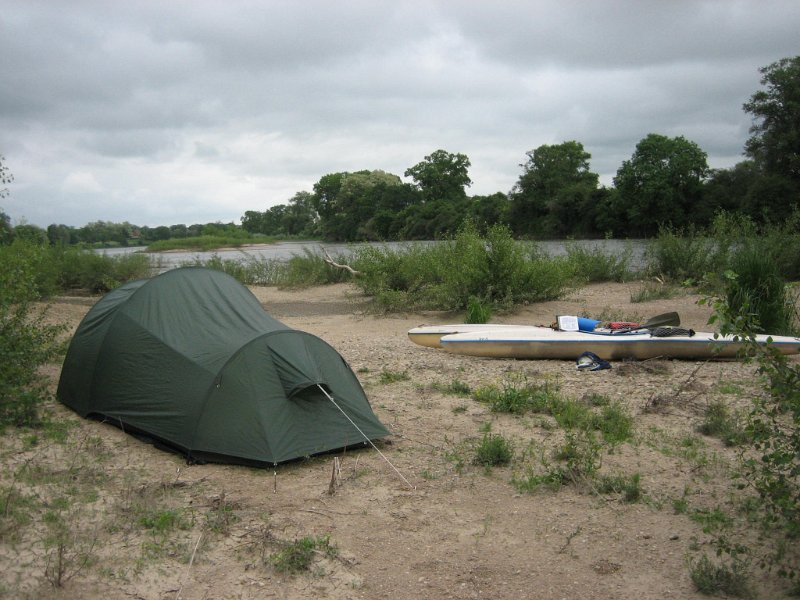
285 250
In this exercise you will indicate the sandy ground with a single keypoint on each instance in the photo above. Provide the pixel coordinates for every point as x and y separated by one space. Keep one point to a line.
457 531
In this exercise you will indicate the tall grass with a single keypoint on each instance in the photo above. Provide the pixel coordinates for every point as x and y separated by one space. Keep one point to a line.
754 285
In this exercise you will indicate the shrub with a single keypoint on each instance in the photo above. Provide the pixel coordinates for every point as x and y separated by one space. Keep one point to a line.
297 556
83 269
710 578
755 285
26 341
311 269
769 462
477 311
680 254
496 270
595 265
719 422
493 450
518 396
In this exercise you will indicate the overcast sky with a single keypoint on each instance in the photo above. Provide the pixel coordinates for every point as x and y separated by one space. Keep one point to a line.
169 112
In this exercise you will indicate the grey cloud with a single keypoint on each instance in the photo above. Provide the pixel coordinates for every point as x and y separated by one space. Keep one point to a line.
185 110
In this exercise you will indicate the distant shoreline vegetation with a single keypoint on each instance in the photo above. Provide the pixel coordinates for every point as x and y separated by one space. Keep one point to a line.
210 242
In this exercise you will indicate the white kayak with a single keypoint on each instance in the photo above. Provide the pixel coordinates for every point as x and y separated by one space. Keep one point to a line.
430 335
547 343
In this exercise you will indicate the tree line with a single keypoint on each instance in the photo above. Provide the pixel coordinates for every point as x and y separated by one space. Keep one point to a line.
666 182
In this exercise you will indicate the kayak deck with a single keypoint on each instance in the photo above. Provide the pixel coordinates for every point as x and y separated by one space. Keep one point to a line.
544 343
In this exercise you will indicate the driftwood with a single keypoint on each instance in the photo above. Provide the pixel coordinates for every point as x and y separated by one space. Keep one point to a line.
336 265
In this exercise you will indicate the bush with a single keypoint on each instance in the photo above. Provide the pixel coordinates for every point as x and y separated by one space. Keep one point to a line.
771 443
680 255
496 270
26 341
311 269
493 450
96 272
712 579
755 285
595 265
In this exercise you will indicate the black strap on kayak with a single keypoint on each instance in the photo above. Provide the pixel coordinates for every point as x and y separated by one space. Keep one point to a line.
671 331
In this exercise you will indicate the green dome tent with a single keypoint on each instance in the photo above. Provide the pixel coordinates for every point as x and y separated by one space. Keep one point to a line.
190 359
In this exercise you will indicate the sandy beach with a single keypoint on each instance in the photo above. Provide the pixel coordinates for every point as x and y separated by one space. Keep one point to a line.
453 530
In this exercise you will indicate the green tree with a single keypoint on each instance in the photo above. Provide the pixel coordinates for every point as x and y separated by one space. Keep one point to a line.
389 218
490 210
662 183
727 189
346 202
178 231
59 235
300 216
555 182
31 233
253 221
775 140
441 176
6 229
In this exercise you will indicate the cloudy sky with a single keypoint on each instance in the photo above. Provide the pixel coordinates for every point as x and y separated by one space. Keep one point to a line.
168 112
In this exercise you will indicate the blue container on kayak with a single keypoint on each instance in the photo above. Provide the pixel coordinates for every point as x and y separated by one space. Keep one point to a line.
587 324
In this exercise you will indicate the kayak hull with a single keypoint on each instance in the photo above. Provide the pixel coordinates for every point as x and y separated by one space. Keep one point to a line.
430 335
546 343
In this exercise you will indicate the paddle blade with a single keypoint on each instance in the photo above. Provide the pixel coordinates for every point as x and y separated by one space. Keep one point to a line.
671 319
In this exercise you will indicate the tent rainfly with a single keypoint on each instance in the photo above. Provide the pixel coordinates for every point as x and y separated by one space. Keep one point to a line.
191 360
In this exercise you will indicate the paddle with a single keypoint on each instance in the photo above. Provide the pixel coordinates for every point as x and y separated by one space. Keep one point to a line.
667 319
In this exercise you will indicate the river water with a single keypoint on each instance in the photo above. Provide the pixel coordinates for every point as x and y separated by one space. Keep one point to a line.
285 250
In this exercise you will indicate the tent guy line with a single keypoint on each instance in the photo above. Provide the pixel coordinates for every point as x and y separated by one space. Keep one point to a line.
383 456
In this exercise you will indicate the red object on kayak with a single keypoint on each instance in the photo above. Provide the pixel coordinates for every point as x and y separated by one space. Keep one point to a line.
623 325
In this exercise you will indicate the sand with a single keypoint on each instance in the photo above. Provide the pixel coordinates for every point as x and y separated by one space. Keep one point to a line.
446 529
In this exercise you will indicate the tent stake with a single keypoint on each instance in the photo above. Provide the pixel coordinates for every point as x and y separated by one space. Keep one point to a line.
413 487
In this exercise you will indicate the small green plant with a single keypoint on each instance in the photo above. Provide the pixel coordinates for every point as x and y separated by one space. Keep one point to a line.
298 556
714 519
162 521
628 486
680 506
388 377
552 479
581 452
518 396
720 579
454 388
477 311
615 423
493 450
222 516
720 422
